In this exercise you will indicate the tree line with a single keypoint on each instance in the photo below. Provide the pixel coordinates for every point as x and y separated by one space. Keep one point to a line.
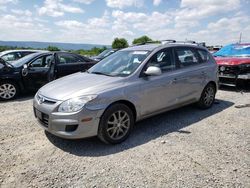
118 43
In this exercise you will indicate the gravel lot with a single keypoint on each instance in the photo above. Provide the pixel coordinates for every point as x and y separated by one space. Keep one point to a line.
187 147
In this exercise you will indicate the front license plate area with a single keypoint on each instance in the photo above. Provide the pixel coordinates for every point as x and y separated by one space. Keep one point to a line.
38 114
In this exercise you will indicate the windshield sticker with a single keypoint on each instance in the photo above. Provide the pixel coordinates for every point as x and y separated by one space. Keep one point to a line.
136 60
140 52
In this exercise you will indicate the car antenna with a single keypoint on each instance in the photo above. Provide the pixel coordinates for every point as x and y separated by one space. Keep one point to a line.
240 37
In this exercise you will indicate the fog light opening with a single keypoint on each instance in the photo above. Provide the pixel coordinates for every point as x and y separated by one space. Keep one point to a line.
70 128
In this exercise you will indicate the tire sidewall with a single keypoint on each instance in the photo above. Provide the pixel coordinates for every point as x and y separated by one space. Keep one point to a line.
102 131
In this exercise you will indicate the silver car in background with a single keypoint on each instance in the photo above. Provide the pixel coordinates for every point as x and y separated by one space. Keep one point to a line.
129 85
13 55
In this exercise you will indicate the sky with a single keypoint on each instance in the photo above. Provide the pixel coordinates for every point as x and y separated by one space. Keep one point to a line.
216 22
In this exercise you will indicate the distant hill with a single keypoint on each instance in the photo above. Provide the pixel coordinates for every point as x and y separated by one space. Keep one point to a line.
62 46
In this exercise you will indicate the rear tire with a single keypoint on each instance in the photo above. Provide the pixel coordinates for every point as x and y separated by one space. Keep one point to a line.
8 90
116 124
207 97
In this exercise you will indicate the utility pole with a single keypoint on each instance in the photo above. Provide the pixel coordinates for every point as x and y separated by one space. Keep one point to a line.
240 38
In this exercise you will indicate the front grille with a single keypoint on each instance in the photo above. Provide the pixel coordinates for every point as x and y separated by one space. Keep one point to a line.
44 100
230 70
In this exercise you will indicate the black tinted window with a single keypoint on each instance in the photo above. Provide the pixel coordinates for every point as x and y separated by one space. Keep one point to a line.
26 53
162 59
187 57
68 58
43 61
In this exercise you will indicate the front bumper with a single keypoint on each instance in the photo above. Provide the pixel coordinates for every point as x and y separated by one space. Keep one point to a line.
233 80
232 74
240 76
76 125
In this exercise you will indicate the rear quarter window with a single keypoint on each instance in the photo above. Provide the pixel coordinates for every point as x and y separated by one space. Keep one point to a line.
187 56
205 57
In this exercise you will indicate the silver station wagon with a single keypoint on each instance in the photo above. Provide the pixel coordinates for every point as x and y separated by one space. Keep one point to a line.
129 85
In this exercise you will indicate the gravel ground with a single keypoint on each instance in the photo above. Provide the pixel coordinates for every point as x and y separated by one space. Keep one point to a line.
187 147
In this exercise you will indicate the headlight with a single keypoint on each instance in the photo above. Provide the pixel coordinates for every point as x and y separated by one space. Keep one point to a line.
75 104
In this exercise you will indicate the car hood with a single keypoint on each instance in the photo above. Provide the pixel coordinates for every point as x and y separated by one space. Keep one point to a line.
79 84
232 60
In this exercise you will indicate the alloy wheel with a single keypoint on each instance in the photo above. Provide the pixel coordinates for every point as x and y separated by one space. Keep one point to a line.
7 91
209 96
118 124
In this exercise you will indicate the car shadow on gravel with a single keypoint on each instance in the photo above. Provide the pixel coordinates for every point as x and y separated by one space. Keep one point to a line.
144 131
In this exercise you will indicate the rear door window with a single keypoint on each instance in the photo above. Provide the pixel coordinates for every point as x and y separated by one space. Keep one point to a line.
187 57
162 59
68 59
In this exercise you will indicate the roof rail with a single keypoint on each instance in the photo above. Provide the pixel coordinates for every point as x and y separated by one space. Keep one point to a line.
174 41
169 41
185 42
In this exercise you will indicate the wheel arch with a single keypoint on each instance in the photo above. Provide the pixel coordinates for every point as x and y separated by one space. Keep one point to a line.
18 83
214 84
128 104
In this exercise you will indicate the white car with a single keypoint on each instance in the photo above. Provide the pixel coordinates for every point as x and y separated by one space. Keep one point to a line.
13 55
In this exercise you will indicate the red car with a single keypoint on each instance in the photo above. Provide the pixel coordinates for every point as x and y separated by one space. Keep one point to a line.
234 64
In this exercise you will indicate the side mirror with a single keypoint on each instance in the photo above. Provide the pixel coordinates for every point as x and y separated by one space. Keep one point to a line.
153 71
25 70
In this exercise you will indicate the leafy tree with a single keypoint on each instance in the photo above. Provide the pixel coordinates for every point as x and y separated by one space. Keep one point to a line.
52 48
142 39
119 43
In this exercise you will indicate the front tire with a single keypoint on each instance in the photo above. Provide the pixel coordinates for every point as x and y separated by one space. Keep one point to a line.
8 90
116 124
207 97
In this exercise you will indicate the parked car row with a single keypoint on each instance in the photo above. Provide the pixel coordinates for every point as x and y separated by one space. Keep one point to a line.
107 98
35 70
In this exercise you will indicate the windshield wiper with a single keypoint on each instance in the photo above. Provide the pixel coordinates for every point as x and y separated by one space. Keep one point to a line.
100 73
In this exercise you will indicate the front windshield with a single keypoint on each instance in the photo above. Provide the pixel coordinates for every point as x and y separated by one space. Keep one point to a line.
121 63
242 50
22 61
